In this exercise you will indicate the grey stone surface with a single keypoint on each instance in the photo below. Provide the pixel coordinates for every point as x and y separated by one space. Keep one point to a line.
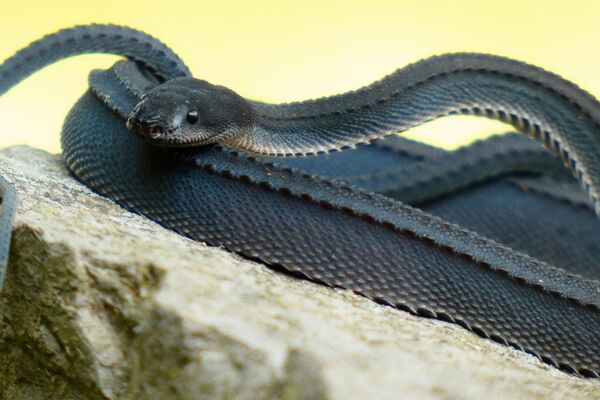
100 303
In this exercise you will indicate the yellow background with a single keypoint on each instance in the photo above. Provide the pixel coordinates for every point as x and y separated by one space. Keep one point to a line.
281 51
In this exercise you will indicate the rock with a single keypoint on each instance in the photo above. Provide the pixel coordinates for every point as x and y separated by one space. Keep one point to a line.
100 303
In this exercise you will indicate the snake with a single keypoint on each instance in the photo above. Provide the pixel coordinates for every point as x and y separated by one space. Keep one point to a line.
434 177
205 162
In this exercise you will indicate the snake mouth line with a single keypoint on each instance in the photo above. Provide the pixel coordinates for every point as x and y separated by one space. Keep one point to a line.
152 131
170 136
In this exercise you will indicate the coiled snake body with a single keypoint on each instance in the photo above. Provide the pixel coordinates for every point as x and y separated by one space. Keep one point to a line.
315 227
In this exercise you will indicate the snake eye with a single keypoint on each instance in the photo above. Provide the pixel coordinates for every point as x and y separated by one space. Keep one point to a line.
192 116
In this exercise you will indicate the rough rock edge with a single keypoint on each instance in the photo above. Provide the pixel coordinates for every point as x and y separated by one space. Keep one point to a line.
102 303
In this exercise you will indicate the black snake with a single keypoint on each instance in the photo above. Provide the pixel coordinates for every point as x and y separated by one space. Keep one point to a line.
330 230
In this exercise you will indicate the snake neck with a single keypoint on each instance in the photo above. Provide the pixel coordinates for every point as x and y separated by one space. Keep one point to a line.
543 105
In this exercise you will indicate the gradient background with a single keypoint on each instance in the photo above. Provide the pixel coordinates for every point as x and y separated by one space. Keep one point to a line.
292 50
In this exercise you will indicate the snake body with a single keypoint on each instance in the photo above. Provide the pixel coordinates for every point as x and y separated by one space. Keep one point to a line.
429 179
323 229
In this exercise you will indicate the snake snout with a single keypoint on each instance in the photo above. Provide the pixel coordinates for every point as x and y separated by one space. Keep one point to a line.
146 130
145 126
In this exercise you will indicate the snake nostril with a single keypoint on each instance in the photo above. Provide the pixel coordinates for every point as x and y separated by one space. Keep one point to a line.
155 132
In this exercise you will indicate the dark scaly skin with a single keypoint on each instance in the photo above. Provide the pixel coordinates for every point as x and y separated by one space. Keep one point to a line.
87 39
536 102
133 44
503 188
343 236
307 225
412 184
432 178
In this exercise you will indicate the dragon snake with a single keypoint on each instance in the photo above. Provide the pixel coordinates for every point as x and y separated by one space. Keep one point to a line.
335 231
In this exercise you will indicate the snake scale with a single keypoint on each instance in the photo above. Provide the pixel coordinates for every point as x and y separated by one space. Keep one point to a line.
193 165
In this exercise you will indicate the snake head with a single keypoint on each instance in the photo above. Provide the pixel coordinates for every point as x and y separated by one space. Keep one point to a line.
185 112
